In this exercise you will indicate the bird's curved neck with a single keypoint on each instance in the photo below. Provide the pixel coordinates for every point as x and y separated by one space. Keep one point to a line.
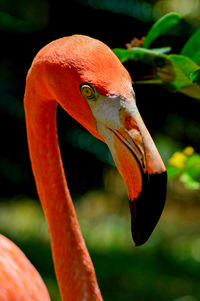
73 266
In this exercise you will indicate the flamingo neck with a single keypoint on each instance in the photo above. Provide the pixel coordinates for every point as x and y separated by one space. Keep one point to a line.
73 266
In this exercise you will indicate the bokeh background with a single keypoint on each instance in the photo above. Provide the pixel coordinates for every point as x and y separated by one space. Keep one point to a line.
167 267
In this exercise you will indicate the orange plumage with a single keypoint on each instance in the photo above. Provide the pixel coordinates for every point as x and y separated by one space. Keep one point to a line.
19 280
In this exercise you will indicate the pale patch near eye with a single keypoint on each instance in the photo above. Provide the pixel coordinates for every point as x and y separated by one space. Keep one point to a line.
106 111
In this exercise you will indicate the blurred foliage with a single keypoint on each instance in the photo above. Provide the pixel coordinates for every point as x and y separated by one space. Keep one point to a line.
133 8
174 71
148 11
23 16
167 267
186 166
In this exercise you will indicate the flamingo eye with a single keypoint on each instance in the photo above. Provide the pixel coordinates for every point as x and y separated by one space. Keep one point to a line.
87 91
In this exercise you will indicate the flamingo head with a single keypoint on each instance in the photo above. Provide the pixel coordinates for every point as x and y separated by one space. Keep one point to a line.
92 85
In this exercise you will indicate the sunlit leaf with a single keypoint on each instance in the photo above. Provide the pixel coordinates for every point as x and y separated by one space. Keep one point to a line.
182 67
162 50
193 166
162 26
192 47
152 57
173 70
195 77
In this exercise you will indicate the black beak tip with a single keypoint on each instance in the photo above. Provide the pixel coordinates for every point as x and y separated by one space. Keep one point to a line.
147 208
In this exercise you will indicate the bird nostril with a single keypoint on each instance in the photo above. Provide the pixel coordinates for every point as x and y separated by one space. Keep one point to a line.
130 123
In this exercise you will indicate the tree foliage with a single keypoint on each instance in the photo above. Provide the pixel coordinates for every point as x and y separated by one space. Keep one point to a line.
176 72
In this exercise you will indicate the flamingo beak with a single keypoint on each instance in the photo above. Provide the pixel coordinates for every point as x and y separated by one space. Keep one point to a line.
144 173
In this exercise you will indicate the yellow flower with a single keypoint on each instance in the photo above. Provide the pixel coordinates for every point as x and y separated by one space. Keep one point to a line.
177 159
188 151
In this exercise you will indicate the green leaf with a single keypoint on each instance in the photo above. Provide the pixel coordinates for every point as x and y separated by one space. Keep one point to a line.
193 166
189 182
195 77
192 90
172 171
192 47
182 68
122 54
148 56
162 26
176 75
173 70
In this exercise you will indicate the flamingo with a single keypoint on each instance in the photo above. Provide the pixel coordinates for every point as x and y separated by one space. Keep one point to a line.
87 80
